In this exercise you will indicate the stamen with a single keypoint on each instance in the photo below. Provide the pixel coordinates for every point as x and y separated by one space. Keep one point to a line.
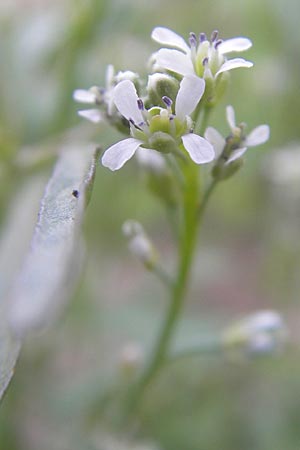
193 40
202 37
205 61
214 35
138 126
167 101
219 41
140 104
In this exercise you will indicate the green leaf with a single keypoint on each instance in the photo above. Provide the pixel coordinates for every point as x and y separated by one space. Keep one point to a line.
13 246
47 275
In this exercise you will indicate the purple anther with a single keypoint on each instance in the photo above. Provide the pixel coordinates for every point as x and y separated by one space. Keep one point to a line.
131 121
205 61
193 39
214 35
140 104
167 101
202 37
218 42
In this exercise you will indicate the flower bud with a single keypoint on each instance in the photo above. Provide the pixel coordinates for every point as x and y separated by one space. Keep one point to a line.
161 85
139 244
163 142
131 358
223 171
259 334
158 176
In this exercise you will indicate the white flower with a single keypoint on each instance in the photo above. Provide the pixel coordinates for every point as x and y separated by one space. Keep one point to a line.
261 333
158 128
204 58
258 136
102 96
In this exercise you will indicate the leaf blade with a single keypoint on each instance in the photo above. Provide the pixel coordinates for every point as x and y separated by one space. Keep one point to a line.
37 294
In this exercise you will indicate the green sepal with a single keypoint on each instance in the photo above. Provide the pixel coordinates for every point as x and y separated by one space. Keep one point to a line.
224 171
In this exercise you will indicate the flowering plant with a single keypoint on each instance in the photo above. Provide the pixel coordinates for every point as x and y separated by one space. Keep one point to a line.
165 123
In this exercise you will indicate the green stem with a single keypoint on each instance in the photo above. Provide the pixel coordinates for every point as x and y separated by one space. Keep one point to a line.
206 197
164 277
186 251
192 214
202 120
207 347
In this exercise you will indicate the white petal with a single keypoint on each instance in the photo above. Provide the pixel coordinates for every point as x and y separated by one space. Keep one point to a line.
84 96
199 149
93 115
216 139
174 61
189 94
168 37
234 64
258 136
230 116
125 98
238 44
118 154
236 154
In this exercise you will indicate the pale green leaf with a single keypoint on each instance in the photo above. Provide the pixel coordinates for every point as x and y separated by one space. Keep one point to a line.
42 286
14 242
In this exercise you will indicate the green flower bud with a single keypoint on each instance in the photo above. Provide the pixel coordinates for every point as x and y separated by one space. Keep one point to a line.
223 171
163 142
161 85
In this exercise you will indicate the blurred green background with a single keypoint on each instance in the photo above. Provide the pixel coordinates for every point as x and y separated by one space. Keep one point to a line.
249 246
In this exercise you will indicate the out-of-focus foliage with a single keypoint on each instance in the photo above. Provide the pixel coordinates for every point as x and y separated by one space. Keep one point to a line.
249 256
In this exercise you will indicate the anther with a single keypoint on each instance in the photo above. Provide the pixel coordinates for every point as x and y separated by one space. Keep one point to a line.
202 37
219 41
167 101
205 61
214 35
140 104
193 40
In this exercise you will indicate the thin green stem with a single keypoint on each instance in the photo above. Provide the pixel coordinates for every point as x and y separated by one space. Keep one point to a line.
164 277
206 347
206 197
187 242
191 216
202 121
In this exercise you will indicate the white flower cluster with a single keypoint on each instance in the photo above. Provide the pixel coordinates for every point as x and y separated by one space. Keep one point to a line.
261 333
186 79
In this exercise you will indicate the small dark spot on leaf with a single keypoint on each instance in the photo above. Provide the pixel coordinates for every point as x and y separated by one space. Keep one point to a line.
75 193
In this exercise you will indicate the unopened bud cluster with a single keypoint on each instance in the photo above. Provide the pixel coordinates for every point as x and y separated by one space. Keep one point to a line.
259 334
